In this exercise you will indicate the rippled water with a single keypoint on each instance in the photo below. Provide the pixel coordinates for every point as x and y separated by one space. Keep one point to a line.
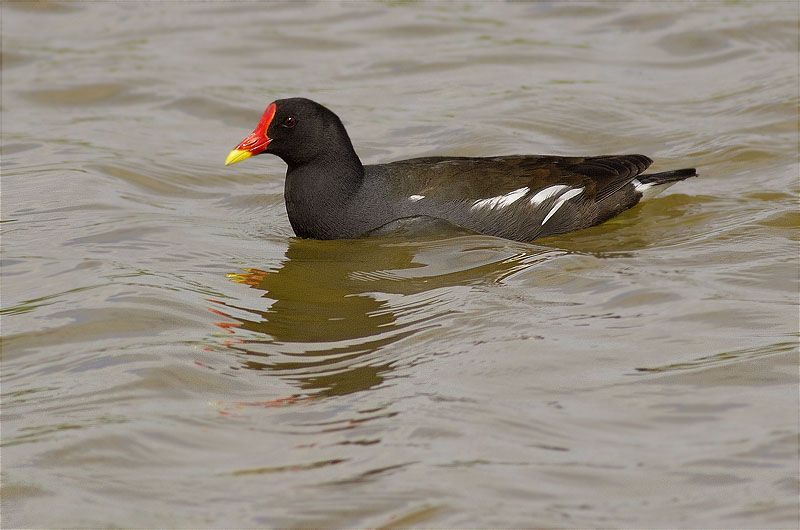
173 356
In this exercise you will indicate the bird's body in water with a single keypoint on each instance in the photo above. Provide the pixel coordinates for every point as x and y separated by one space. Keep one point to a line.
330 194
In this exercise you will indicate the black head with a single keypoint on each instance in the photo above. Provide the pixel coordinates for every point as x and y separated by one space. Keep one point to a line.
297 130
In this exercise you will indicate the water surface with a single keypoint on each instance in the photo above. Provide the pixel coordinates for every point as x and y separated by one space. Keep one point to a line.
173 357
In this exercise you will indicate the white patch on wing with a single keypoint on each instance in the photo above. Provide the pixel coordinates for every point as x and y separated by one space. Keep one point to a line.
546 193
501 201
564 198
415 198
651 189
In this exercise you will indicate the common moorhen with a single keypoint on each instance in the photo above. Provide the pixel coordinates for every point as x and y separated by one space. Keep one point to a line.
330 194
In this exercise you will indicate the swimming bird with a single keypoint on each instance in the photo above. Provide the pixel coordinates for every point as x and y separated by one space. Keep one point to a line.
330 194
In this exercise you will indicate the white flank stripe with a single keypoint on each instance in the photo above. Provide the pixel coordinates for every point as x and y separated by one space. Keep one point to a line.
564 198
546 193
501 201
512 197
570 194
416 198
554 210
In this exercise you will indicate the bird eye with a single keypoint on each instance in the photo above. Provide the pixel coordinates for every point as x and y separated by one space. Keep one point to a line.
289 122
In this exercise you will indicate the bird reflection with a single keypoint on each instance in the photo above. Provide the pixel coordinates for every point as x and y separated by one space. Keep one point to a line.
331 309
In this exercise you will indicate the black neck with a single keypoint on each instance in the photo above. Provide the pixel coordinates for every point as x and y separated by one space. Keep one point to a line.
317 193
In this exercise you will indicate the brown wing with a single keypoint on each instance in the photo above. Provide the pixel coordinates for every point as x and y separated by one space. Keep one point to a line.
517 197
458 178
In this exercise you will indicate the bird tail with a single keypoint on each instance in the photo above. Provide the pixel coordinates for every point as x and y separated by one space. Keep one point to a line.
667 176
652 184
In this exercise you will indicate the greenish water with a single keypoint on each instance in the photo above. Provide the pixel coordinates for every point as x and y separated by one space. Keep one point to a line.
173 357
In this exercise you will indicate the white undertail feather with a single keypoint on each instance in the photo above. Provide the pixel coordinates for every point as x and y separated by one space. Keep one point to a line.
415 198
650 189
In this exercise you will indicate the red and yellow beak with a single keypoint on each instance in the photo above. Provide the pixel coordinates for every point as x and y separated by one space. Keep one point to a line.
256 142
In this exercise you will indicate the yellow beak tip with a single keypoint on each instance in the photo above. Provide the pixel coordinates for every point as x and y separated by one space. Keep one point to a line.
237 155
